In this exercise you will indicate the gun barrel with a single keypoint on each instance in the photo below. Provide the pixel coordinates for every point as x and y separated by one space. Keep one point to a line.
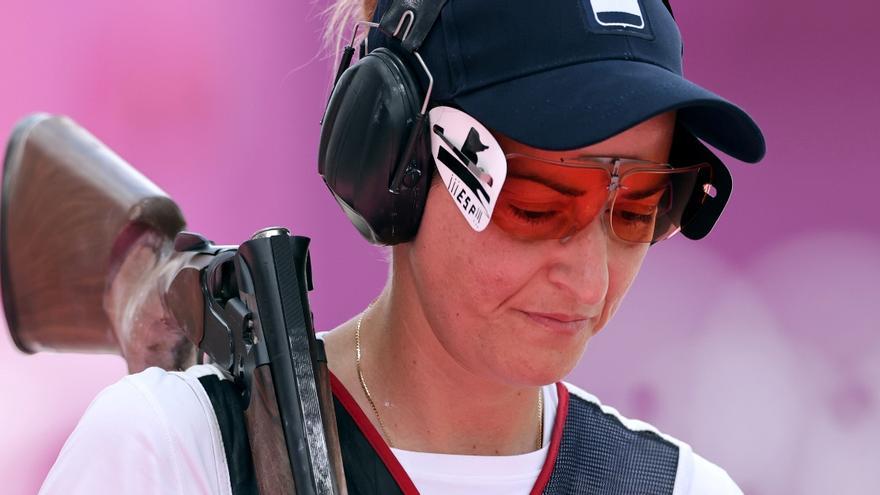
275 274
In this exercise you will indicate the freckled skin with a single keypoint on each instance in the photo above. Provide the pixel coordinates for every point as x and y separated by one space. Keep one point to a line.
471 284
451 359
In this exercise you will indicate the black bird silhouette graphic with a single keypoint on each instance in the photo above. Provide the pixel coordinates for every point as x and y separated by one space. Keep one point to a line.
473 145
465 167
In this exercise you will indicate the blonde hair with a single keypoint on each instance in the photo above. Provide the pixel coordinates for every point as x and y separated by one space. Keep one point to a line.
341 17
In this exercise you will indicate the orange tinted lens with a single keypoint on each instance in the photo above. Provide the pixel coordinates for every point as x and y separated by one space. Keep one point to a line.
652 205
540 200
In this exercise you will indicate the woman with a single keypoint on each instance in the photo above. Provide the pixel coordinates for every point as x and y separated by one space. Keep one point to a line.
573 133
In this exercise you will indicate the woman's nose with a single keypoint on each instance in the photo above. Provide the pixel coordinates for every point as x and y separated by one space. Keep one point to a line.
580 266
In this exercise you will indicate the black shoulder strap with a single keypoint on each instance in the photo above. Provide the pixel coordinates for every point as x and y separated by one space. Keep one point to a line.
365 473
226 401
601 456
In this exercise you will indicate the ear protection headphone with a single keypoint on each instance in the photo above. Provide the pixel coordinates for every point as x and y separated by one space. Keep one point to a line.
375 151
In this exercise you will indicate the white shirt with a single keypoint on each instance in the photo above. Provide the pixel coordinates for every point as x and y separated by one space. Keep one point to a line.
449 474
156 432
152 432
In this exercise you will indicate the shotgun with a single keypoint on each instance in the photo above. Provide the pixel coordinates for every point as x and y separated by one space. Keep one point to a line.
94 258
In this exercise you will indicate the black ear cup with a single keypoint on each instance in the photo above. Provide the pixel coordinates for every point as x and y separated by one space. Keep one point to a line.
369 117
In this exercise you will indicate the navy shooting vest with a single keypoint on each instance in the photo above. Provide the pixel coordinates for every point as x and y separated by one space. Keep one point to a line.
591 451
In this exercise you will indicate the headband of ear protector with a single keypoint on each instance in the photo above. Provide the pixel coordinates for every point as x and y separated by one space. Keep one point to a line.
375 151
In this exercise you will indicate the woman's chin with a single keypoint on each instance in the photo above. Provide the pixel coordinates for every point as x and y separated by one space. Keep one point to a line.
541 368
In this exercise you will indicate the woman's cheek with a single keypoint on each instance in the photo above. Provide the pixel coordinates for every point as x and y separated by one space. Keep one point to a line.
467 263
446 257
622 270
507 266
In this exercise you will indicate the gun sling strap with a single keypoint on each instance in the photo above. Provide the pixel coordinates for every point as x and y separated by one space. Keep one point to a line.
226 401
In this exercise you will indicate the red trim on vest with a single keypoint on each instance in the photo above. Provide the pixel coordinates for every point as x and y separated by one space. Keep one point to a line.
555 440
399 474
373 436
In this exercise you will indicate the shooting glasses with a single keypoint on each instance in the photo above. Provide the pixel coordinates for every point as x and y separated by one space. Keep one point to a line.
639 201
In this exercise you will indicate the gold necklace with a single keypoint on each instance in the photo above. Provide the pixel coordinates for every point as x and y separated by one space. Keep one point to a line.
357 348
539 441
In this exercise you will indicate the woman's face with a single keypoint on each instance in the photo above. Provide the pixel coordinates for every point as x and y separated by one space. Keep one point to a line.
521 312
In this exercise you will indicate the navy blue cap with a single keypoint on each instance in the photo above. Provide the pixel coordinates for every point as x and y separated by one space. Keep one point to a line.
563 74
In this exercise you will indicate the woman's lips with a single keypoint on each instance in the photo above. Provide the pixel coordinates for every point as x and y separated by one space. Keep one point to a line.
559 322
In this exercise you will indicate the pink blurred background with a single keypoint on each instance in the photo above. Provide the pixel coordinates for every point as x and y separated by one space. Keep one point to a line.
759 345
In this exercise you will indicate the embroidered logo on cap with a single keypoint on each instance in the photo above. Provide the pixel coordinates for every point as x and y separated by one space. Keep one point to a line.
622 13
470 161
621 17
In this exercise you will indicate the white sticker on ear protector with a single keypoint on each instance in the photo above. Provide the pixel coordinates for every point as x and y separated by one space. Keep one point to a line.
470 161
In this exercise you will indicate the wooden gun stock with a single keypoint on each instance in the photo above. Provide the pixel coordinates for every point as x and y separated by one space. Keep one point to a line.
91 261
74 200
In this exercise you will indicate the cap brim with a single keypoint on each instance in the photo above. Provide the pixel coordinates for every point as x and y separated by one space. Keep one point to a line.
577 105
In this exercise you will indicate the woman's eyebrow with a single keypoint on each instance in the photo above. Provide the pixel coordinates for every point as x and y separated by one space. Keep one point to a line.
646 193
610 158
558 187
